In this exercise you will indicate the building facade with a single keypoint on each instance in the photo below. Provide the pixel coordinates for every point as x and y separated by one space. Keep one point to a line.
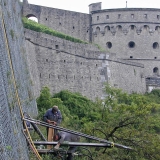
129 38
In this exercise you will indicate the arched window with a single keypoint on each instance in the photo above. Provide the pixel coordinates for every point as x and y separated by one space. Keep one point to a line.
33 17
132 27
107 28
97 29
157 28
119 27
155 71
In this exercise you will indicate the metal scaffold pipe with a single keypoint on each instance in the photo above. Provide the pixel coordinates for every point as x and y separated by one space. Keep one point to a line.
110 144
66 143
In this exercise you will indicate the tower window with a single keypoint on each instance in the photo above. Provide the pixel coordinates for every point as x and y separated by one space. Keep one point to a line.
109 45
97 17
155 70
132 27
132 16
107 16
57 48
119 16
145 16
131 44
155 45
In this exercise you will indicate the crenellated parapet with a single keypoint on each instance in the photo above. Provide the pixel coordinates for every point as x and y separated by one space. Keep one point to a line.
126 28
126 20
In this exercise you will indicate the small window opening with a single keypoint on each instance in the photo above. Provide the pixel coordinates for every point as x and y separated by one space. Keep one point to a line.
109 45
145 27
97 29
119 27
131 56
157 28
132 27
64 61
155 70
46 60
155 45
73 27
97 17
107 28
57 48
119 16
131 44
107 16
155 57
132 16
145 16
33 18
158 17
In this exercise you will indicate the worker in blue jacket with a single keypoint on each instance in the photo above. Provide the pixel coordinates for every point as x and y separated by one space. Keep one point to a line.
52 116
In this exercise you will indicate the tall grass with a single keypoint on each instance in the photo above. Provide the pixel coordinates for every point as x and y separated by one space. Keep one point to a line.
32 25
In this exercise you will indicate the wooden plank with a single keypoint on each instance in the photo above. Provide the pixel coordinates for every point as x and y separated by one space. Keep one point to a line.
50 137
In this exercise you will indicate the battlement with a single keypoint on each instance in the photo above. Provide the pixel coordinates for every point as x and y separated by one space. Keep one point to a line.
94 7
126 18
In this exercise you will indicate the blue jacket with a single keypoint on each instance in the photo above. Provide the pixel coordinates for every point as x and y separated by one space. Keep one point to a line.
49 115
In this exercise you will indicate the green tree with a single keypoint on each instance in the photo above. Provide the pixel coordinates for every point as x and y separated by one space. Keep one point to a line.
44 101
130 120
81 108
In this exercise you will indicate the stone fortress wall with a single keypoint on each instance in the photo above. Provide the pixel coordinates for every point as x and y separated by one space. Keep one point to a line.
71 23
61 64
16 94
130 37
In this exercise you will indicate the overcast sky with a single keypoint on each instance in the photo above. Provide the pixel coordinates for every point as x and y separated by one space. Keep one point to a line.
82 5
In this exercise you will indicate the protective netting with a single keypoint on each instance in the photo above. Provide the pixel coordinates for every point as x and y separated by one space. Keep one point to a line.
14 78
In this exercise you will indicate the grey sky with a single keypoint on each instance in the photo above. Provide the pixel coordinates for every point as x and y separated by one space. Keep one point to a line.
82 5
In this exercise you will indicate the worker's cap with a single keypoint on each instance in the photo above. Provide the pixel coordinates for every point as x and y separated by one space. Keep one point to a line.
55 108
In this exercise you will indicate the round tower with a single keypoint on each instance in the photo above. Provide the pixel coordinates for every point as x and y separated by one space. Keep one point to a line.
129 33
